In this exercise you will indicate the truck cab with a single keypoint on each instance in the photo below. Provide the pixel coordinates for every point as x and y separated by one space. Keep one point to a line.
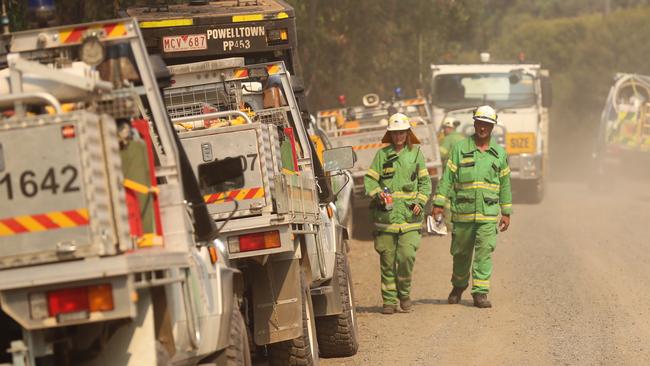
520 93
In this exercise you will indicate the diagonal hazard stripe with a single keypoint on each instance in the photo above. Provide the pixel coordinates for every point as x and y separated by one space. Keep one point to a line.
29 223
251 193
14 226
43 222
60 219
76 217
234 195
4 230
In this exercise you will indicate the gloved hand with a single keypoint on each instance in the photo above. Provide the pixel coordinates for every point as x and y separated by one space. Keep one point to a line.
417 210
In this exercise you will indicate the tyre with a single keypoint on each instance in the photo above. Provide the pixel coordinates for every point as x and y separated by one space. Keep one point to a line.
238 351
337 334
301 351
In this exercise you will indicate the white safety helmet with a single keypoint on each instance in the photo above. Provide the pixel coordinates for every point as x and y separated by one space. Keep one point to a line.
485 113
450 122
398 122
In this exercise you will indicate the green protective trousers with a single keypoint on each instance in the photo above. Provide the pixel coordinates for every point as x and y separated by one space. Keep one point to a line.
475 238
396 261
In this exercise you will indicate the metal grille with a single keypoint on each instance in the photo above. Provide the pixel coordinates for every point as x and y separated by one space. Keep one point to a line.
191 101
118 104
275 116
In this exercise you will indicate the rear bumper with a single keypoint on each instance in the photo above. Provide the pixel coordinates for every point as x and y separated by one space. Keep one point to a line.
125 273
526 166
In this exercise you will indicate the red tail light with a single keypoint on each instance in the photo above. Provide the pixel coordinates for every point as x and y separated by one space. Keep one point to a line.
255 241
72 300
69 300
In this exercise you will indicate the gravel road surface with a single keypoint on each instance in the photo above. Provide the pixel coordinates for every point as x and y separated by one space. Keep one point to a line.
569 288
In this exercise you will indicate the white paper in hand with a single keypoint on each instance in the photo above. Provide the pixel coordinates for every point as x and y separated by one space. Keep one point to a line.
436 227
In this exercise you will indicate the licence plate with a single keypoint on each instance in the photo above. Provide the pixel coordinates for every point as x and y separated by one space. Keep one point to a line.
520 143
187 42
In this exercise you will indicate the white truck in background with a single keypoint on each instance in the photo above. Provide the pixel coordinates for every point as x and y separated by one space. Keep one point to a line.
521 95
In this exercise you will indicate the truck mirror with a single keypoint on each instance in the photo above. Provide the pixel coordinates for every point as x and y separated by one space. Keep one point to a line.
547 92
339 158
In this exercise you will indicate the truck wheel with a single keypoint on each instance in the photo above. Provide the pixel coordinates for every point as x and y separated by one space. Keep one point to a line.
337 334
238 351
301 351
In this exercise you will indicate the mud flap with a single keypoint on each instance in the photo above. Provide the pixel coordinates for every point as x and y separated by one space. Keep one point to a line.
134 343
277 301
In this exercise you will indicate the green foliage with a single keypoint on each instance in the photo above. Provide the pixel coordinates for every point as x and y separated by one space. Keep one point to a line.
583 54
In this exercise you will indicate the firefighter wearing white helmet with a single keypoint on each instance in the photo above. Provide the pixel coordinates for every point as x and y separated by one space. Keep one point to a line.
398 171
477 181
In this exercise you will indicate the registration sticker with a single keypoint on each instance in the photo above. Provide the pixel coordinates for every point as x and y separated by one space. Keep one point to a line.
520 143
187 42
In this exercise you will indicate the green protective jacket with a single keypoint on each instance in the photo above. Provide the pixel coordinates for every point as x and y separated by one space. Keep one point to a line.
448 142
407 177
477 182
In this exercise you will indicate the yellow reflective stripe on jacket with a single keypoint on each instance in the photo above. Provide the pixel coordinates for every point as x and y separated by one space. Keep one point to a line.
139 187
467 160
504 172
404 195
452 166
506 205
423 173
423 197
373 174
482 185
389 170
374 192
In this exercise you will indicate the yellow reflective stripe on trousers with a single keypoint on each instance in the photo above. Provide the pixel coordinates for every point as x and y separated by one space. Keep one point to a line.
473 217
481 283
452 166
504 172
480 185
396 228
423 173
372 174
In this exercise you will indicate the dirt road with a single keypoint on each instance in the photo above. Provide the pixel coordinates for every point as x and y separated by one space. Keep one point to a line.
569 288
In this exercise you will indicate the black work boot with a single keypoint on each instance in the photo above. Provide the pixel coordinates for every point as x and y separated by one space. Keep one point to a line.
389 309
481 301
406 304
455 294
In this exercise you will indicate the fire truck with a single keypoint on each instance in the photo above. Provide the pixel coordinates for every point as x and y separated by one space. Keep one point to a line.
108 256
284 234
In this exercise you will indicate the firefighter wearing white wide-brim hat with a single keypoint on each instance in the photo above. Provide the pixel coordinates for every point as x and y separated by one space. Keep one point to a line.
400 169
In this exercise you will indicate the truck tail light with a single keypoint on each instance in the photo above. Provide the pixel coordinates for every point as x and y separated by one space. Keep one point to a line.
255 241
78 299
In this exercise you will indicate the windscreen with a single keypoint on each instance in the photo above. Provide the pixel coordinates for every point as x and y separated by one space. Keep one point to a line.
501 90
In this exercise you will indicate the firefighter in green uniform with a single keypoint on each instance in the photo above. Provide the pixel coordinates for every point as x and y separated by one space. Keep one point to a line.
477 178
398 170
452 136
